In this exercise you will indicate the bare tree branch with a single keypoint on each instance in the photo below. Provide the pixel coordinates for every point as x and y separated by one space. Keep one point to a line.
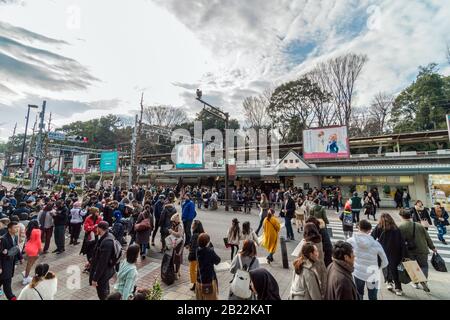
165 116
380 111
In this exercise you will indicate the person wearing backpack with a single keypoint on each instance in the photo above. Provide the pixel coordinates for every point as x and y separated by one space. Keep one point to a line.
418 243
245 261
347 221
319 212
103 261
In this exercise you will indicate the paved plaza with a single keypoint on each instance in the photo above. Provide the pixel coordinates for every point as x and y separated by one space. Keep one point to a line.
73 284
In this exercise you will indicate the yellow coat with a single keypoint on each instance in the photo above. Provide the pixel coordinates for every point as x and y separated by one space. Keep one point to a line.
270 236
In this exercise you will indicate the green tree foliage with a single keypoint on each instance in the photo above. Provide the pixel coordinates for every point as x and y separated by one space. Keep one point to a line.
107 132
292 107
424 104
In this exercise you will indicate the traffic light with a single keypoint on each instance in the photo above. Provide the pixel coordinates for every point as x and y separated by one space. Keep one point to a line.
80 139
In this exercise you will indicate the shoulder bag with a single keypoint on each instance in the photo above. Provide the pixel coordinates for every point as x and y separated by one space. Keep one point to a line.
38 293
205 288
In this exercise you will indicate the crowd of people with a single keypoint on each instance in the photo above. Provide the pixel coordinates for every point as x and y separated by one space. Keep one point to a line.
107 223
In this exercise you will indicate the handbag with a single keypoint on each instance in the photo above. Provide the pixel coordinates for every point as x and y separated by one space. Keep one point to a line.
225 241
438 263
205 288
144 225
14 251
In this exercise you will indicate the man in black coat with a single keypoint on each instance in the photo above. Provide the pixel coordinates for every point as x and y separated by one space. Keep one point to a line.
288 210
157 213
102 270
60 220
9 254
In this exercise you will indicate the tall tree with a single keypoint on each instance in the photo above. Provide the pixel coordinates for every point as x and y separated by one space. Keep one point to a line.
380 111
295 101
164 116
424 104
338 76
256 110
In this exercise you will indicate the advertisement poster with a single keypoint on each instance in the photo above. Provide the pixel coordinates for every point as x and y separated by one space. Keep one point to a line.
109 161
190 156
54 166
326 143
447 117
80 162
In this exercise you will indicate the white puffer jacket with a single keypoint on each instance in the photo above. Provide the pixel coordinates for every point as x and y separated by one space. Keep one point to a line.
367 250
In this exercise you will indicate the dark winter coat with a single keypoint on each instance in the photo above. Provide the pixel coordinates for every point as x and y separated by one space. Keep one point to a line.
7 263
327 247
164 221
340 284
207 258
143 237
392 243
290 208
61 217
101 268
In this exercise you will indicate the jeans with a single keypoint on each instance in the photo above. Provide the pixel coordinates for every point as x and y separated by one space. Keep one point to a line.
144 248
422 261
47 236
59 237
372 288
289 231
187 231
356 215
6 283
442 230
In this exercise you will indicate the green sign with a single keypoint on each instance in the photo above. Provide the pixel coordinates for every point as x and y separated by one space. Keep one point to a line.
108 161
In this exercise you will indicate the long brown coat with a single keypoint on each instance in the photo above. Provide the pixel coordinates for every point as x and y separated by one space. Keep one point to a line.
340 284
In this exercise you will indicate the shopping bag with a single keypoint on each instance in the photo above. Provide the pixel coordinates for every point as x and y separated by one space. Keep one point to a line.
438 263
402 274
225 241
414 271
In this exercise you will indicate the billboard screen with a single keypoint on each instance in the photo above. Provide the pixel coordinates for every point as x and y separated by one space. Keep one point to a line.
109 161
189 156
447 117
80 162
326 143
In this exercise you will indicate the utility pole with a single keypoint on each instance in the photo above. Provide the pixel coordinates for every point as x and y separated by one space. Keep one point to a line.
40 138
9 150
133 153
134 169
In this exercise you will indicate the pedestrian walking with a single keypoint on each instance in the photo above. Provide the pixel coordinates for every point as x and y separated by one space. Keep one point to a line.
246 260
340 284
234 236
127 275
9 254
197 229
390 238
421 214
158 208
356 205
102 270
32 249
248 233
288 212
367 250
347 221
206 287
418 243
76 222
188 215
45 219
440 218
143 229
271 229
306 283
264 207
177 234
43 286
60 218
370 206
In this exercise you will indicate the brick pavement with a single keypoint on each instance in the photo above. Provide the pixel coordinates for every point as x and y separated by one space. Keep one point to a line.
70 264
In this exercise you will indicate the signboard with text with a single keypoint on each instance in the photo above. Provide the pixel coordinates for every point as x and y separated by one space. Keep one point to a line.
109 161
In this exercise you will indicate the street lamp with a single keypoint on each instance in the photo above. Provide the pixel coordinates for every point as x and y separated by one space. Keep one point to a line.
25 135
225 116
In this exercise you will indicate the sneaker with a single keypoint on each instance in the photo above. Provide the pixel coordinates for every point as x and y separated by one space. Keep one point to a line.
398 292
415 285
27 281
389 286
444 242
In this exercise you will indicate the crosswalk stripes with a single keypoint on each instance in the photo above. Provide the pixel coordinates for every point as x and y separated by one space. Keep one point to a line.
443 250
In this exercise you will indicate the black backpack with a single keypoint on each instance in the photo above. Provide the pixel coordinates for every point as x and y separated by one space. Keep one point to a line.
167 269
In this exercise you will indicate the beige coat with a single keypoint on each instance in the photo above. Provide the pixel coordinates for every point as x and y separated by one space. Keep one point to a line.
307 285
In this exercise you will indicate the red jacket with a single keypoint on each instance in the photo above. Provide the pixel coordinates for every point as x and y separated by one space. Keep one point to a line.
90 226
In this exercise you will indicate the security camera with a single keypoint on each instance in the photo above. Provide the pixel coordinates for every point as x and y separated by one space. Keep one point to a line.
199 93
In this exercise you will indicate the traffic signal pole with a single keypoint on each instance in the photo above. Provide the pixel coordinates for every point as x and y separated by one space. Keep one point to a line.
38 156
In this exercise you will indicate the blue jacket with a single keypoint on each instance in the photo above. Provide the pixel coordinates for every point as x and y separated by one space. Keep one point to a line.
188 211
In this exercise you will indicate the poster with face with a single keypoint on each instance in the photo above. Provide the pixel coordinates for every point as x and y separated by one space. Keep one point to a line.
80 163
325 143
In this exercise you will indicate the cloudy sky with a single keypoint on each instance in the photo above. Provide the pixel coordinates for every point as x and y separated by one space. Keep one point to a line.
90 58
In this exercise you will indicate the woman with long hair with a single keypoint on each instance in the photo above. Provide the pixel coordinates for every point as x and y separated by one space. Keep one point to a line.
234 236
43 286
33 247
271 229
248 233
390 238
197 229
306 284
177 231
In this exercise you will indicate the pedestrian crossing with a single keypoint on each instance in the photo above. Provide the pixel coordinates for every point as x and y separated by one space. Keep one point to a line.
442 249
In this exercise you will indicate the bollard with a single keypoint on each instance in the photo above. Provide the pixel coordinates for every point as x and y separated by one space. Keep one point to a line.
284 256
